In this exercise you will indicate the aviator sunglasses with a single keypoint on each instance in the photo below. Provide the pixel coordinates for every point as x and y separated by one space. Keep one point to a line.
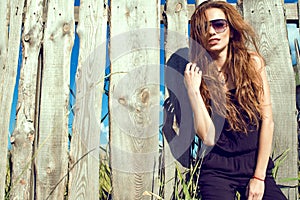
219 25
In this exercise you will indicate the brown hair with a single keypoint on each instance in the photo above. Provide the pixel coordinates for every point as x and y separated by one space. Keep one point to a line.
239 66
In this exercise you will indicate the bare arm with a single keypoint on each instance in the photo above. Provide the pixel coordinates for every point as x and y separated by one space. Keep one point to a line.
266 134
202 122
267 128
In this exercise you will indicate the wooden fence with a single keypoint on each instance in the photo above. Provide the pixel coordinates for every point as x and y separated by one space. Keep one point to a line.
42 166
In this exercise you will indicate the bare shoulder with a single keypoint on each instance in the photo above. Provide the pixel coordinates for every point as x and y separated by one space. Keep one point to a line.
258 60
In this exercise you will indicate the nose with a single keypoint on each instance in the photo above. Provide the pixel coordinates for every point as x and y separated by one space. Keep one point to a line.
211 30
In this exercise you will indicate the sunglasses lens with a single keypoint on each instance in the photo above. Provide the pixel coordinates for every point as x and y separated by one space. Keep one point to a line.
219 25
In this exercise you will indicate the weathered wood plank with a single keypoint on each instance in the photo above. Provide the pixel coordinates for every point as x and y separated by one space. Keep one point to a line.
176 37
85 142
291 11
9 67
4 12
25 130
51 162
198 2
267 17
297 66
134 98
4 23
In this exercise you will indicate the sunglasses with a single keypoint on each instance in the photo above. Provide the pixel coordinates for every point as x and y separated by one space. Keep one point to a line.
219 25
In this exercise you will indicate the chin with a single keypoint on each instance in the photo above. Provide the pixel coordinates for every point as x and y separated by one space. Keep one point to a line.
215 49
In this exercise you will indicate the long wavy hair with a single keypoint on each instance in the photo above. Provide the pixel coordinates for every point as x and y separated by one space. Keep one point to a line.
239 67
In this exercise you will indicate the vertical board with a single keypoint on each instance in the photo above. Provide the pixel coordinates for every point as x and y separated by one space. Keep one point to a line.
8 79
85 142
25 130
51 163
267 17
198 2
4 11
297 66
134 97
176 37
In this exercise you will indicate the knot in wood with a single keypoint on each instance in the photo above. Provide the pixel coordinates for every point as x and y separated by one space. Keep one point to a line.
122 101
48 170
145 95
66 28
27 38
52 37
12 139
178 7
22 182
31 137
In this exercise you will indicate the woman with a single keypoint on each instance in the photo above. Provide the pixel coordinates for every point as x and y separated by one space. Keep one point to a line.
226 78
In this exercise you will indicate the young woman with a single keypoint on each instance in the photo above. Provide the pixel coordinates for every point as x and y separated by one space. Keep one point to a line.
226 78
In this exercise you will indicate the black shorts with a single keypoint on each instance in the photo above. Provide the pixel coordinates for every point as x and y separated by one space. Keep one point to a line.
221 177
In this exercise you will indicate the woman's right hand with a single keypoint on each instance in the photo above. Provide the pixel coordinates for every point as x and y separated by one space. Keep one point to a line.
203 124
192 77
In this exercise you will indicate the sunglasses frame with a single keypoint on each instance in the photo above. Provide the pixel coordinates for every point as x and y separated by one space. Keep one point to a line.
214 22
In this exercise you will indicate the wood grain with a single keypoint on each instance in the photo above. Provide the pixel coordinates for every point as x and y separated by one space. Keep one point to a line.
9 65
85 142
51 162
134 98
25 131
176 37
268 19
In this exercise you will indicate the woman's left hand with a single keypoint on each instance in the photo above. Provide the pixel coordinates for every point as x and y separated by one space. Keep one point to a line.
255 190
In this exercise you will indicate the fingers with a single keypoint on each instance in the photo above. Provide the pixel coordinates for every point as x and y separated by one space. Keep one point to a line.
191 68
192 77
254 197
188 67
255 192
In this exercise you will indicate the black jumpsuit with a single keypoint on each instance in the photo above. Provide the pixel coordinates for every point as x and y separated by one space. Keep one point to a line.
230 165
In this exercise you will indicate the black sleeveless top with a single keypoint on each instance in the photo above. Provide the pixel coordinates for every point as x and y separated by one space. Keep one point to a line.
235 153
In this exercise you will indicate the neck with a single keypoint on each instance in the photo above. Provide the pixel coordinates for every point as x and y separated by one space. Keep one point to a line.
219 59
220 63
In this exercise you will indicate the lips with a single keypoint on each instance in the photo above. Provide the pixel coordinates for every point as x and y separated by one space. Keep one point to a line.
213 41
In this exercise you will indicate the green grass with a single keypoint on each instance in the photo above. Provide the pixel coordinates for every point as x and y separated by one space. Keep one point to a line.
105 187
8 178
185 181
